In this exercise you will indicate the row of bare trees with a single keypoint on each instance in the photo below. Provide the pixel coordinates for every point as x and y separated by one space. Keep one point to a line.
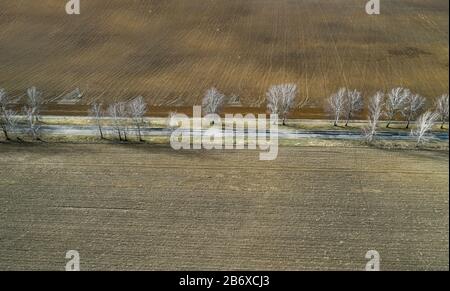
411 106
9 117
345 104
399 101
120 113
281 100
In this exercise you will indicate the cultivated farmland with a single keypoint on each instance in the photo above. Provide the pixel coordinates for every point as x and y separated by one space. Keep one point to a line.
171 51
142 207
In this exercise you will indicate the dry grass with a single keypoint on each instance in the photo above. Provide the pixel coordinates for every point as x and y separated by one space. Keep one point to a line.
151 208
171 51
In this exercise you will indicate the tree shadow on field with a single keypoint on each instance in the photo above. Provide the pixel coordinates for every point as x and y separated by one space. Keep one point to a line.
31 146
83 148
194 154
414 151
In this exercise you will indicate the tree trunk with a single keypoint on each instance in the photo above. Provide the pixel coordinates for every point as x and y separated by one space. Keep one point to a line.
348 119
139 132
5 132
100 130
443 124
407 124
35 136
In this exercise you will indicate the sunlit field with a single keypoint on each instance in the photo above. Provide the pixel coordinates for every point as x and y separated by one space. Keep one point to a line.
171 51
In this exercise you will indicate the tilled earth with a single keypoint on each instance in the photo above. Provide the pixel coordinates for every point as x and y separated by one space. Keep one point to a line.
172 51
143 207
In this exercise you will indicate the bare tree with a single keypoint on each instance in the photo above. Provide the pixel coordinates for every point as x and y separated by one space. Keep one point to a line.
35 100
376 104
424 126
96 112
122 110
8 117
353 103
138 108
335 104
442 108
395 102
213 101
8 121
113 112
281 100
32 122
413 104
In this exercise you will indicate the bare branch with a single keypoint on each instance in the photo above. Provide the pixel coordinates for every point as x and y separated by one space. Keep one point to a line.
395 102
8 122
123 112
424 126
113 112
8 118
96 112
32 122
138 108
376 104
442 108
35 100
353 104
335 104
413 105
213 101
281 100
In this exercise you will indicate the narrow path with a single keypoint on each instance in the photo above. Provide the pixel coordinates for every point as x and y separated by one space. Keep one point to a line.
90 130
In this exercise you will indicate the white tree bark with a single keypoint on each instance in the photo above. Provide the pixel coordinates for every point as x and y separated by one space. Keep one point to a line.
35 100
213 102
138 108
376 104
8 117
281 100
96 112
395 103
442 109
32 117
413 104
424 126
353 104
113 112
335 104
